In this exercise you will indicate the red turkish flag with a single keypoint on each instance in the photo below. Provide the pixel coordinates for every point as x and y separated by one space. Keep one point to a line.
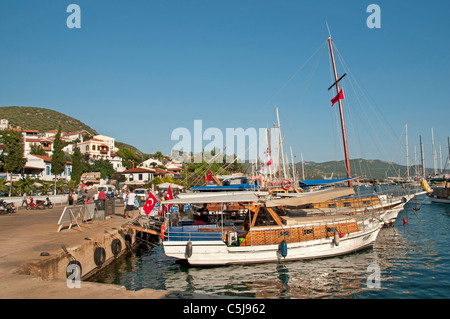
150 203
169 197
338 97
269 162
208 177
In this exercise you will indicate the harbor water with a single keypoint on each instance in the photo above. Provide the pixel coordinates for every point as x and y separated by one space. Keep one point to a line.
409 260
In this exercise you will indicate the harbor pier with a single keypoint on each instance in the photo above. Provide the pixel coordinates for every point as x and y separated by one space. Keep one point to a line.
34 255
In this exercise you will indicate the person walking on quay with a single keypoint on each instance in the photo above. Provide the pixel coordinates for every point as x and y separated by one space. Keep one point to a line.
102 198
70 198
130 203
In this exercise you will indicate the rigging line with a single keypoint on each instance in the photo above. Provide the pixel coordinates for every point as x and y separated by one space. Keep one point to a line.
310 76
202 167
384 121
293 76
370 123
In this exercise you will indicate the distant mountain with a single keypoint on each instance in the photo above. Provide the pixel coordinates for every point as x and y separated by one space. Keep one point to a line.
359 167
41 119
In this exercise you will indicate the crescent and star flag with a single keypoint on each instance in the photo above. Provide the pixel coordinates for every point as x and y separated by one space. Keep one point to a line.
150 203
338 97
169 197
269 162
208 177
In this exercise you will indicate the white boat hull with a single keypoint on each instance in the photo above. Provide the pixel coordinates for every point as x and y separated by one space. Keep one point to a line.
213 253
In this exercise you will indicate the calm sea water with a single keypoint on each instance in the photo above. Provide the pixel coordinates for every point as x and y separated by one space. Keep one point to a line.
413 261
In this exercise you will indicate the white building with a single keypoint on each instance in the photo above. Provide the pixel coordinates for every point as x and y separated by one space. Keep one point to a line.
138 176
38 166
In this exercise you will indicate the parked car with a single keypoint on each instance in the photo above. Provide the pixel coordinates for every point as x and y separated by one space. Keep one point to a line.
141 193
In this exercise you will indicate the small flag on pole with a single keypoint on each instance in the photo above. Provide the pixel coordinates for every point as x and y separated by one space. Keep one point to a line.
338 97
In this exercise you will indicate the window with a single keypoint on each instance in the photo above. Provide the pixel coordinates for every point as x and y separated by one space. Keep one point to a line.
47 170
140 177
87 148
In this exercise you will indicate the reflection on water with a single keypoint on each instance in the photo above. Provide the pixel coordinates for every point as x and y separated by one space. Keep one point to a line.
413 262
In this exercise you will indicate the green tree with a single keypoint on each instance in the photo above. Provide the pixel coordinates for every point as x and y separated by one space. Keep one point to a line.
104 167
129 158
58 158
13 160
77 165
37 149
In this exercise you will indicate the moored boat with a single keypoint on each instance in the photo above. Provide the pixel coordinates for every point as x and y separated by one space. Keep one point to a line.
267 233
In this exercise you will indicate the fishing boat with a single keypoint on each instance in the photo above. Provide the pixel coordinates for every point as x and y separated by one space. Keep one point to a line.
441 194
267 232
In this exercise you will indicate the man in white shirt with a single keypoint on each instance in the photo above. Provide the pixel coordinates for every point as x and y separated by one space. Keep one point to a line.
130 203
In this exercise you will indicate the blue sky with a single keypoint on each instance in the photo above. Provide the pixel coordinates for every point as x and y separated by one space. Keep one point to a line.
136 70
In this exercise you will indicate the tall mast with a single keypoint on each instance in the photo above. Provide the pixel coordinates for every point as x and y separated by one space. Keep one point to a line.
407 153
434 152
281 144
422 160
344 134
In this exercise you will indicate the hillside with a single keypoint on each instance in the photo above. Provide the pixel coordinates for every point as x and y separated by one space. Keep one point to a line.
359 167
41 119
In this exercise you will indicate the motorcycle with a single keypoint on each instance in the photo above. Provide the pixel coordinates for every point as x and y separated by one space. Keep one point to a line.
6 208
48 204
39 204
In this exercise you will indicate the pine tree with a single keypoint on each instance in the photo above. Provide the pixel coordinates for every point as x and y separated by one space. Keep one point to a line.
58 158
77 166
13 159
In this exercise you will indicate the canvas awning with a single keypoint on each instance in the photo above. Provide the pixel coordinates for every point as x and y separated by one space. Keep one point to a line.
321 182
312 197
226 197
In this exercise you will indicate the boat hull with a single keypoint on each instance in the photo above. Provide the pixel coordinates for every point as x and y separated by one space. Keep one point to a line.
439 200
215 253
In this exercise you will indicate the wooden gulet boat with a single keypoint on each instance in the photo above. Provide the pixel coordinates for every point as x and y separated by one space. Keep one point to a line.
265 234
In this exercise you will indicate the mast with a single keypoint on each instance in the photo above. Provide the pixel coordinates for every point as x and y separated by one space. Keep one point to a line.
269 148
293 166
422 157
407 154
344 134
434 152
281 144
278 151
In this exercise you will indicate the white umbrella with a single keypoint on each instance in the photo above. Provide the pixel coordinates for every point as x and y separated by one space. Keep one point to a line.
166 185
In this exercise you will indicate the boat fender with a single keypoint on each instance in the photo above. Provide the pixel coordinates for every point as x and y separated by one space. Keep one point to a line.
405 221
286 184
283 249
116 247
99 256
336 238
189 249
162 231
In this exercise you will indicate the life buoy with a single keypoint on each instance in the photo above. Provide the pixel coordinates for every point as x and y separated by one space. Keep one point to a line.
286 184
269 184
